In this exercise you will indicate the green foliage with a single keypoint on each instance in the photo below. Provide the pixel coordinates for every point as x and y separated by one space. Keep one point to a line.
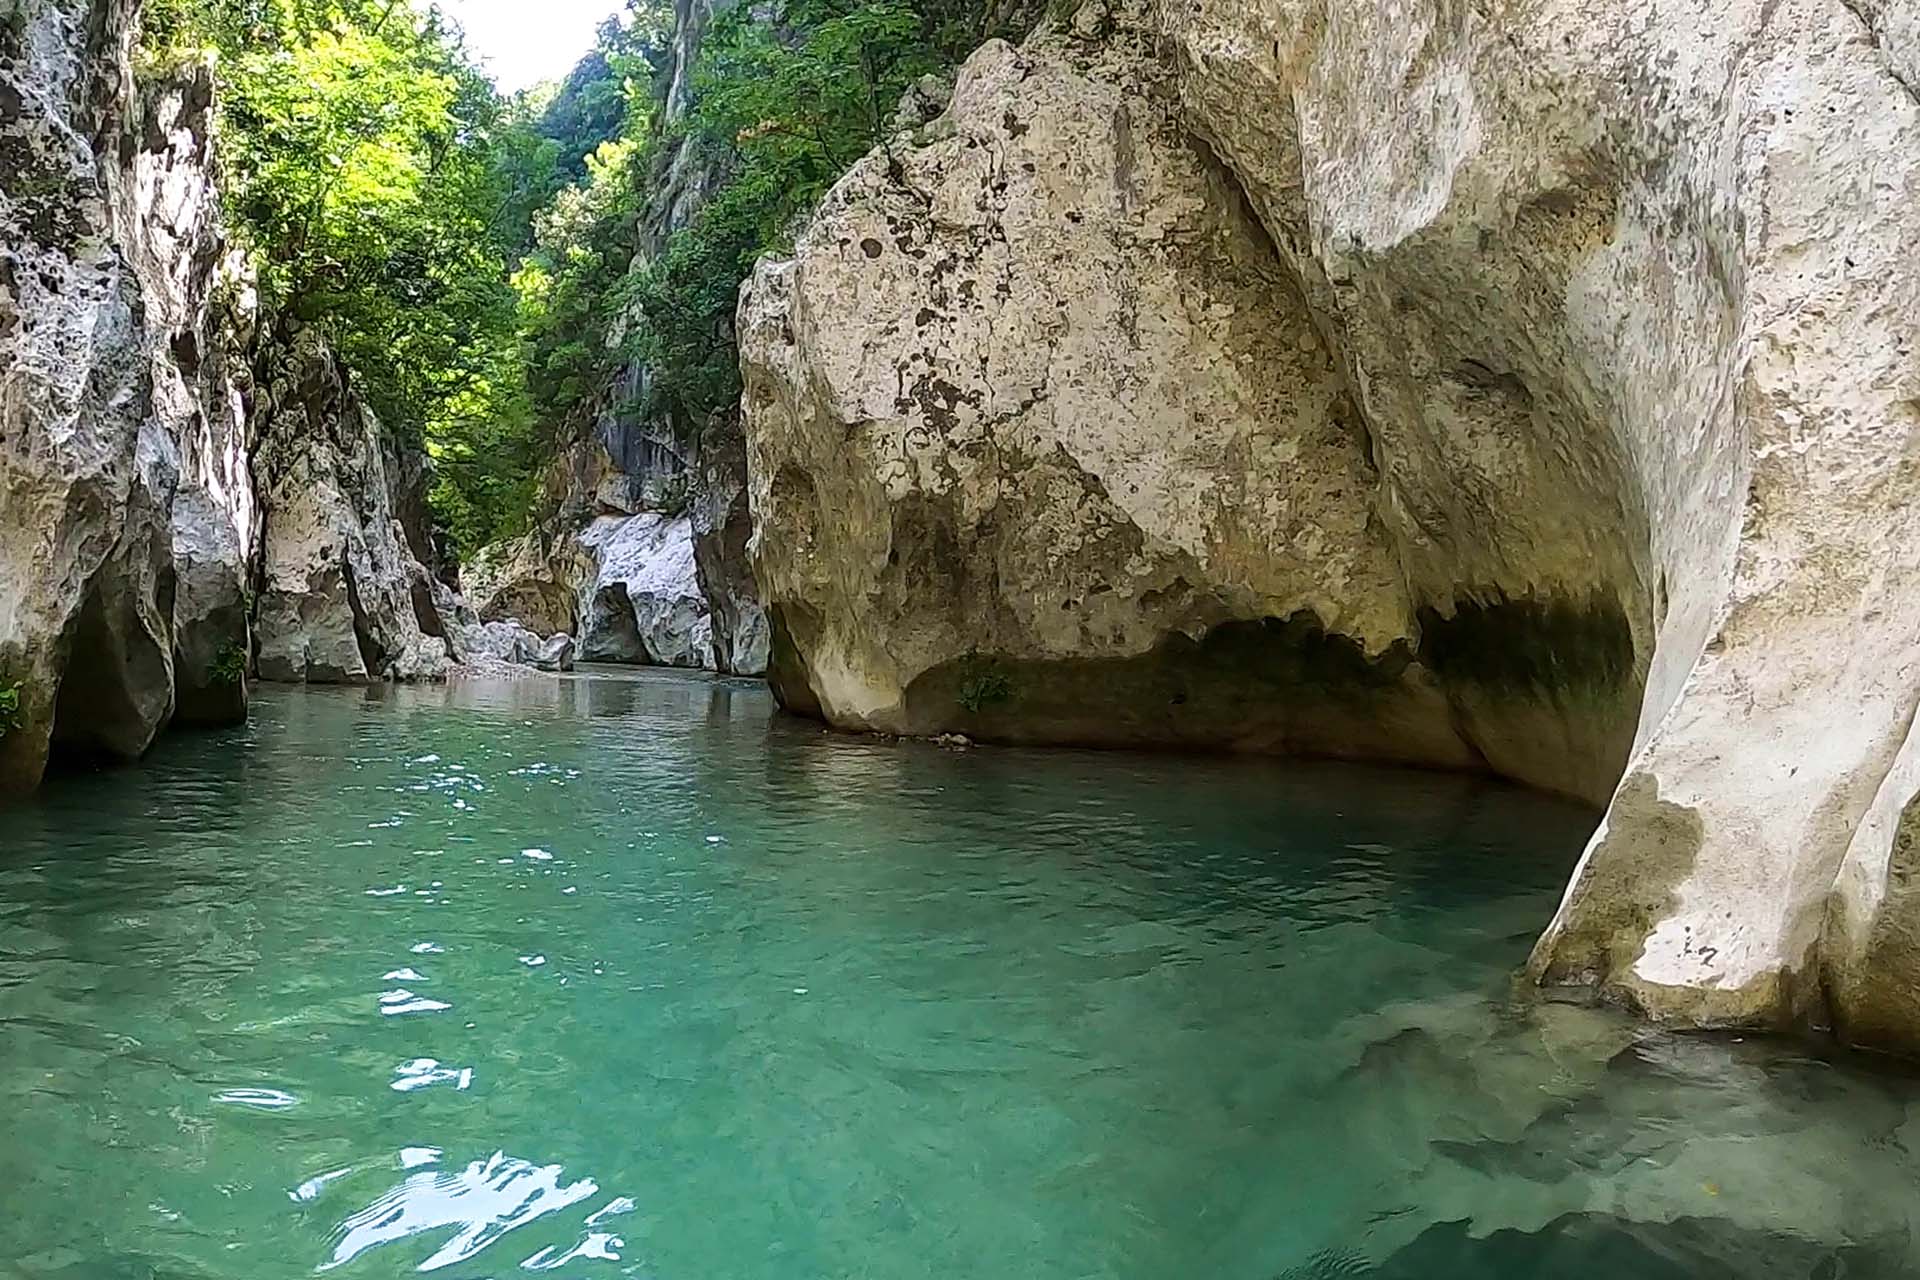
364 157
784 107
229 665
10 708
983 684
473 258
674 496
570 301
784 99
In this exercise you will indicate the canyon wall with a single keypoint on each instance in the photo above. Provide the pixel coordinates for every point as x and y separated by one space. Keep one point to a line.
677 488
1530 391
152 496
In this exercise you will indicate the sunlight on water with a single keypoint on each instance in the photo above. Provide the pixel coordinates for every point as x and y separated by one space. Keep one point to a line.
626 976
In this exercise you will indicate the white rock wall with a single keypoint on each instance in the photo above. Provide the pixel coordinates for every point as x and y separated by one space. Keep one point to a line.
1614 313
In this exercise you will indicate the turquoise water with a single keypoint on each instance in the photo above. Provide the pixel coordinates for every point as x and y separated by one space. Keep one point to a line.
630 977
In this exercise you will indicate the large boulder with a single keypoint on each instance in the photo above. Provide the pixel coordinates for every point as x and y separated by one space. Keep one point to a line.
633 586
554 654
501 642
1533 392
1045 446
644 603
339 601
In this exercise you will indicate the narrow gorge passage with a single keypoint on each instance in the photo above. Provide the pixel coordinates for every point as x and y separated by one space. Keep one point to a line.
959 639
409 979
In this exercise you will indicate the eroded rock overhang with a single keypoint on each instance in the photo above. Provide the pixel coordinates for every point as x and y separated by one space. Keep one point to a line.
1529 392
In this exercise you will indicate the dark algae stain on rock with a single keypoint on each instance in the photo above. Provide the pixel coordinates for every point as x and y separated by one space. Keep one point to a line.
1292 686
1520 646
1270 684
786 663
1630 896
1873 980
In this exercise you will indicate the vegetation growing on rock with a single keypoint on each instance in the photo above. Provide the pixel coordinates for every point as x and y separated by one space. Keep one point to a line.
473 256
229 666
9 708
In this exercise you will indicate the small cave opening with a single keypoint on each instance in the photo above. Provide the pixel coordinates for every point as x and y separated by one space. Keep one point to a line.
610 631
1542 692
116 691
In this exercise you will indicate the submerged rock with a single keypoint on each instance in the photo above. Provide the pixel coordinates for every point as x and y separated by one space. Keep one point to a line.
1593 1243
1534 394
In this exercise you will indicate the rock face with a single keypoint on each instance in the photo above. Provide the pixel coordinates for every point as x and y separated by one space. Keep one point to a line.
722 526
211 614
117 435
527 580
1046 447
337 595
1530 393
199 311
130 531
644 604
629 457
629 583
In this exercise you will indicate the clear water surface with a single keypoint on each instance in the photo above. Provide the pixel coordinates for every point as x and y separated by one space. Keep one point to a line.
610 977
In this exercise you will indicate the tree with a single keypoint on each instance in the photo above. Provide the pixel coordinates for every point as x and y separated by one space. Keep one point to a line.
362 153
786 105
472 258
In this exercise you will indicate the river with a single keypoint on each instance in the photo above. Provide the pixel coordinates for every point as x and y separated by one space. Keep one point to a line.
627 975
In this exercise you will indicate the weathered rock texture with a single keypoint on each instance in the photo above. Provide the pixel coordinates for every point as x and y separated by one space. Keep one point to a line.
199 314
341 597
628 585
1531 390
530 579
117 436
130 531
629 456
644 603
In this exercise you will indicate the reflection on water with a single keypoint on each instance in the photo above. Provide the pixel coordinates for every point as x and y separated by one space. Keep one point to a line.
478 1205
612 977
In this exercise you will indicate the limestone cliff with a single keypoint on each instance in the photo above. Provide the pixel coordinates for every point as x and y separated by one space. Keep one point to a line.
93 395
627 458
341 595
134 512
1529 390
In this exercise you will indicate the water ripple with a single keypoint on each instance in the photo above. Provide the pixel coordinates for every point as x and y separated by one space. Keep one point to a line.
257 1099
479 1204
837 1008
